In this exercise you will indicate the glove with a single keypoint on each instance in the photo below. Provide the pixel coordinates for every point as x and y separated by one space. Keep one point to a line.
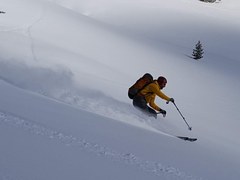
163 112
171 100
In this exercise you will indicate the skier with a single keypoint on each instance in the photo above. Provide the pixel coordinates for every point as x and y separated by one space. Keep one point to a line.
147 96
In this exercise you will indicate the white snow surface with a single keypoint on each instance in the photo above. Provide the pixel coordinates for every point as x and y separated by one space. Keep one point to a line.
66 66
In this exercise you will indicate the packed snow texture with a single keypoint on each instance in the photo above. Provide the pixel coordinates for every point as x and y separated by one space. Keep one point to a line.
66 66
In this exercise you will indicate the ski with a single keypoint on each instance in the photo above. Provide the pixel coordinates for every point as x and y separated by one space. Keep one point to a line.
186 138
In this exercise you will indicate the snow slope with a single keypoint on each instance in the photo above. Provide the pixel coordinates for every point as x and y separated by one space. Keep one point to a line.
65 67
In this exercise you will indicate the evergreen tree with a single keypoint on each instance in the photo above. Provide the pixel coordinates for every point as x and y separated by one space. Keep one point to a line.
198 51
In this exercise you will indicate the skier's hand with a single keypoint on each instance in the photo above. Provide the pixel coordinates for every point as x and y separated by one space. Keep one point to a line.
163 112
171 100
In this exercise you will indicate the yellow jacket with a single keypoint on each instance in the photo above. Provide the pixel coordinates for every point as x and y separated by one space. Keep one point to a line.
150 92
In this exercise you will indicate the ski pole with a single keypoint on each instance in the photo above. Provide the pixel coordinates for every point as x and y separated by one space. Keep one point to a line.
190 128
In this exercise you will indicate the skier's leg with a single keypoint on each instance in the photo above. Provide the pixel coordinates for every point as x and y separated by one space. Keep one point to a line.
152 112
140 103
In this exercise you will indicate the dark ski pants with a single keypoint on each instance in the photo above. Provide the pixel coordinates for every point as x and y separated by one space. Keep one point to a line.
140 103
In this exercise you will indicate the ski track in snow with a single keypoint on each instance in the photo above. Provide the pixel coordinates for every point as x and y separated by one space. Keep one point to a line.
155 168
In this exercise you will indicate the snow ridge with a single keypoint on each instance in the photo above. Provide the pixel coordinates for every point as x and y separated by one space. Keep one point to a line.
155 168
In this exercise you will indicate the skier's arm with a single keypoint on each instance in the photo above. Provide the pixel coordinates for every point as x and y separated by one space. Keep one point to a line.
153 105
158 92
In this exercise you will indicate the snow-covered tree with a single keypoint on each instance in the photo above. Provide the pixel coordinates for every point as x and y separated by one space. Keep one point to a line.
198 51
